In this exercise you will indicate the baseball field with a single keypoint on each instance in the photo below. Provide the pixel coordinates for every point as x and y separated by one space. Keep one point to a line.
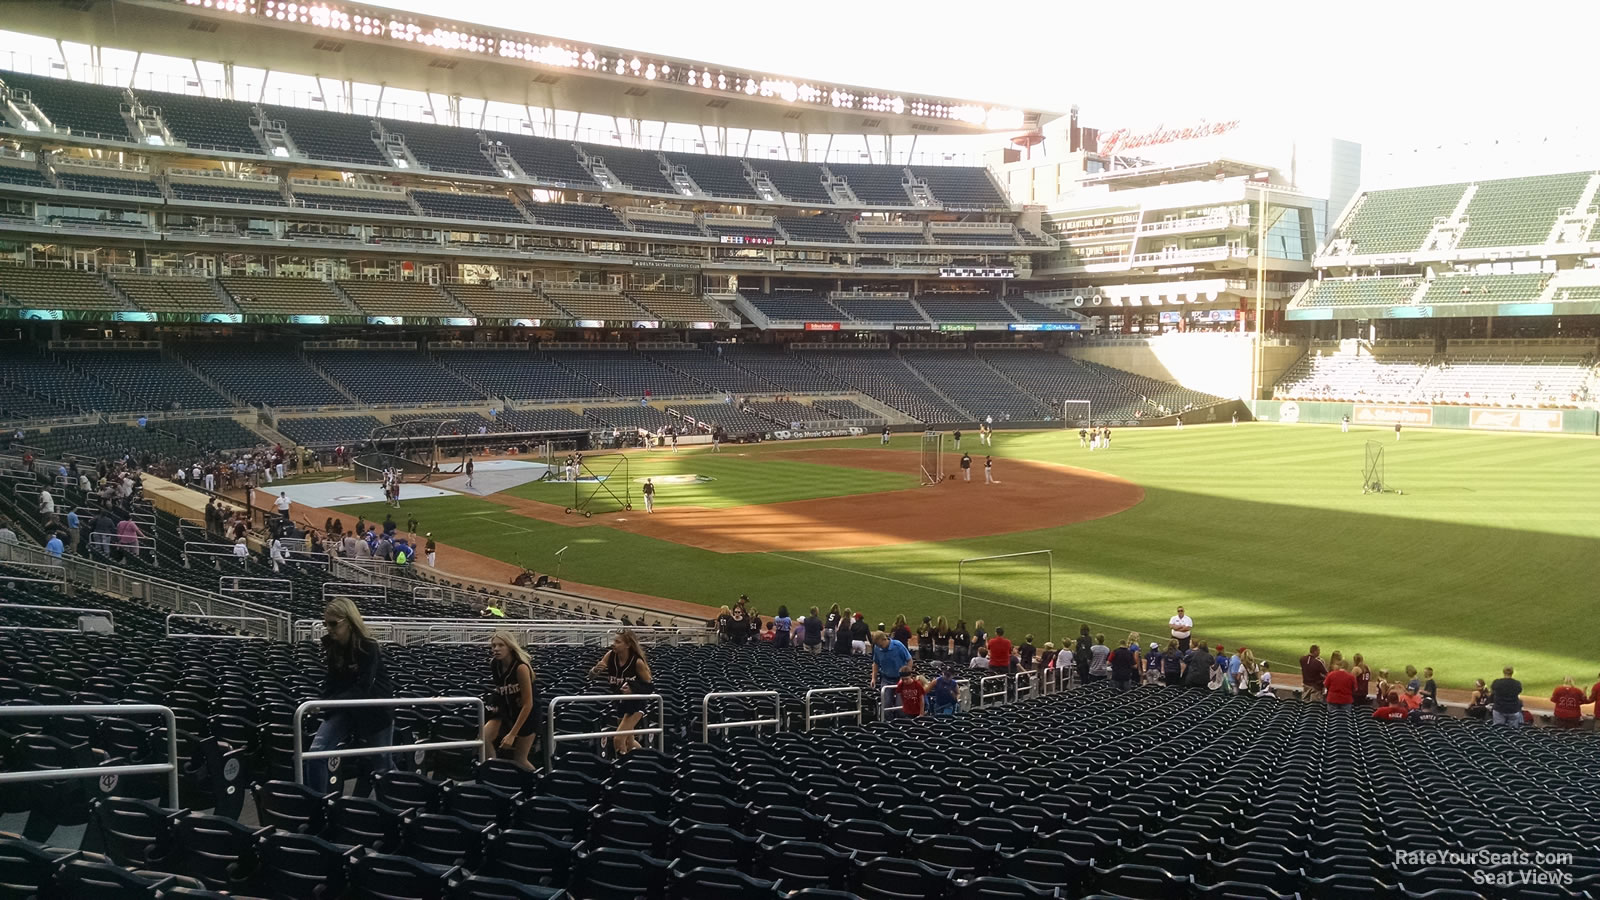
1484 557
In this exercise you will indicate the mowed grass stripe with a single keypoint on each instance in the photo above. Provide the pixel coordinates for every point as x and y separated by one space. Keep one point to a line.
1260 531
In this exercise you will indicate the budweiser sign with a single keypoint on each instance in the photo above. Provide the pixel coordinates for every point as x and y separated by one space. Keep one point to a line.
1125 140
1517 419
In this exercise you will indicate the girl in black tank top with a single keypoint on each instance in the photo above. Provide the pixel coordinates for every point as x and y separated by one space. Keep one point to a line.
626 668
511 725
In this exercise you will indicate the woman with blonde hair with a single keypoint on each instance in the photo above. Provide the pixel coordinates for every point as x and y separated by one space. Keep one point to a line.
356 671
1363 674
625 666
512 726
1248 678
941 637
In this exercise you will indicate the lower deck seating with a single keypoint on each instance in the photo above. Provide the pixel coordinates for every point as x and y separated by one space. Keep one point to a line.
395 377
327 431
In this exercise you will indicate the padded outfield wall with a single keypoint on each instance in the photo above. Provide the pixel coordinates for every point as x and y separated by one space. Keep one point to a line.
1475 418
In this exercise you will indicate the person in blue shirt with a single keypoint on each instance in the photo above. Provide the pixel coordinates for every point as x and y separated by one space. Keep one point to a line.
784 624
72 531
942 699
54 546
890 659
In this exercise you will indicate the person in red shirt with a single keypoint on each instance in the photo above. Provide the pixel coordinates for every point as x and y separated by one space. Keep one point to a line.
911 690
1000 652
1393 711
1569 700
1594 697
1340 687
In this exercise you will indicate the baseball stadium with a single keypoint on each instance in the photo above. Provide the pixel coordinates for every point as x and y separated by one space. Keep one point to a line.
446 461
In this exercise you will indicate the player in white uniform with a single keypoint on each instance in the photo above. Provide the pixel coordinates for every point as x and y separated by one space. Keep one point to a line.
649 496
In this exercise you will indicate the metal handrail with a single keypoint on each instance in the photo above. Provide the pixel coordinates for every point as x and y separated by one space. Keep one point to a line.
1032 684
884 708
169 768
551 738
823 717
221 637
705 713
983 688
301 754
70 609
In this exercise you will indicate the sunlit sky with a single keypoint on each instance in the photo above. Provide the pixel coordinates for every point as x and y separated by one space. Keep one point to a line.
1430 89
1393 75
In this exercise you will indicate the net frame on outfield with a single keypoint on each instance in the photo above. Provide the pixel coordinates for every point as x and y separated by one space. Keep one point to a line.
1049 581
584 493
932 464
1372 469
1066 417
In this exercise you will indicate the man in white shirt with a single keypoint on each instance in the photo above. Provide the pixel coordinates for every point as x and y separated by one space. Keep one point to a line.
241 552
47 503
1181 626
282 504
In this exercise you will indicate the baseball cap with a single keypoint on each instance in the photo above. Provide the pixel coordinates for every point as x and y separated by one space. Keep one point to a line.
1154 646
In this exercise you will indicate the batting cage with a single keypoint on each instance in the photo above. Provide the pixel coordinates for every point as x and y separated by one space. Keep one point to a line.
603 486
932 462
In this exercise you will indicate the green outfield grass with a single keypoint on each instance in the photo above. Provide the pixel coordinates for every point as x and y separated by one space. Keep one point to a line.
736 479
1261 531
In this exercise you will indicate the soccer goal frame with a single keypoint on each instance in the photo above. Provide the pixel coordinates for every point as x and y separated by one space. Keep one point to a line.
1069 406
1049 593
1372 480
932 461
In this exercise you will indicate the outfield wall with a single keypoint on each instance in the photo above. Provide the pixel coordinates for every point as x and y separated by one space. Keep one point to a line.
1544 421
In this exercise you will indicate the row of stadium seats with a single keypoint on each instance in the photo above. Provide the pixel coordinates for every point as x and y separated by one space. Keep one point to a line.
1492 380
1506 212
804 304
213 124
422 205
32 288
983 805
931 386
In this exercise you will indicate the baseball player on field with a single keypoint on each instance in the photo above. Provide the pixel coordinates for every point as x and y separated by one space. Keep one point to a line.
966 467
988 471
649 496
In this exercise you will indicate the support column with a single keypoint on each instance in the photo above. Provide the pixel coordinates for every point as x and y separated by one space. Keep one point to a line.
453 110
227 81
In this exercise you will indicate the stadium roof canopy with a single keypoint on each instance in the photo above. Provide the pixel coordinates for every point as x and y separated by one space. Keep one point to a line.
374 45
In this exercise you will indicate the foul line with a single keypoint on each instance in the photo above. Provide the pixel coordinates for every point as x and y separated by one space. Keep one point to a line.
812 562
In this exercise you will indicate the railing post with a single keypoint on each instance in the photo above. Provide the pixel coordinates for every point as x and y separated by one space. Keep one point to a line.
169 768
822 717
551 738
301 755
705 713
